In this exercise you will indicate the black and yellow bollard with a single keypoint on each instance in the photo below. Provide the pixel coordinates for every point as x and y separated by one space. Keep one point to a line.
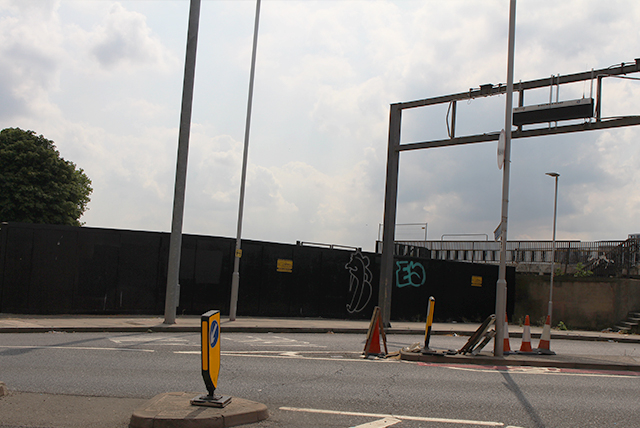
210 332
427 333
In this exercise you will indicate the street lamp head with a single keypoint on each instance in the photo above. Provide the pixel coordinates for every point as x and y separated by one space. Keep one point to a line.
553 174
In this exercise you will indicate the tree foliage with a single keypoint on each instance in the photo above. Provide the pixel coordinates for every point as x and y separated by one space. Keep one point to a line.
36 184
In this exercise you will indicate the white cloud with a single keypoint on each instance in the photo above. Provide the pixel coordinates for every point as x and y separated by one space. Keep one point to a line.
613 202
124 39
103 80
30 56
35 8
298 202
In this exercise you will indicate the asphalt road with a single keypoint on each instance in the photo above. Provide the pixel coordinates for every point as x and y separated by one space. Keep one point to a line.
320 379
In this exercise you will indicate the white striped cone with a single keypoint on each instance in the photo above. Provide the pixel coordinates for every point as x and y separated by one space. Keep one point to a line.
506 347
526 337
545 339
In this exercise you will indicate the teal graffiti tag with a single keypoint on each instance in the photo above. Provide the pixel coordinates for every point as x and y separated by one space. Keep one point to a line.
410 273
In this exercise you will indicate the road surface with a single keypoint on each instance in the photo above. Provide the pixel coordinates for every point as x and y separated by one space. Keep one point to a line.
312 380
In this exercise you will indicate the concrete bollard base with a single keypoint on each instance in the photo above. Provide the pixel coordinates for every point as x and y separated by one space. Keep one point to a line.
173 409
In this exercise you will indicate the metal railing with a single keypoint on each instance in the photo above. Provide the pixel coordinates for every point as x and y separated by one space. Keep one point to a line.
601 257
331 246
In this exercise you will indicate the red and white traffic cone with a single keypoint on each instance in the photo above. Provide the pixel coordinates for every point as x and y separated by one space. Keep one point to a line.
545 339
506 347
526 337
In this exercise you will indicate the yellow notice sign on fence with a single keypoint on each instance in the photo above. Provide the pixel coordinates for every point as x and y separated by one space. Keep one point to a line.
285 265
476 281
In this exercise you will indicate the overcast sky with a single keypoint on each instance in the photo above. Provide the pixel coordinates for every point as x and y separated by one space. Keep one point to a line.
103 80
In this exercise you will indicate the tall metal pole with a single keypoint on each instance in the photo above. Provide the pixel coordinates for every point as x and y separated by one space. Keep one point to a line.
175 243
390 208
553 249
501 285
235 279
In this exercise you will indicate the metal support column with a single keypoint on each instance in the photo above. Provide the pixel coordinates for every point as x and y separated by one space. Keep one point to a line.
390 206
599 102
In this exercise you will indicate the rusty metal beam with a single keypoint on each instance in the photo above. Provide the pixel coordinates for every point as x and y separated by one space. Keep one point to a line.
501 88
538 132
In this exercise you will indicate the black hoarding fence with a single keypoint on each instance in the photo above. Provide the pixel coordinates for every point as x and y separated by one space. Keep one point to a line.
61 269
463 291
48 269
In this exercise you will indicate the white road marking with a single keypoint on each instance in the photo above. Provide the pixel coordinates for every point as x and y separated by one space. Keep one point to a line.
286 355
160 340
282 354
382 423
273 340
401 417
291 354
78 348
543 370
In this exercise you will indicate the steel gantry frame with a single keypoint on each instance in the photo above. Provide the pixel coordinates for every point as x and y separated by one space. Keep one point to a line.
596 122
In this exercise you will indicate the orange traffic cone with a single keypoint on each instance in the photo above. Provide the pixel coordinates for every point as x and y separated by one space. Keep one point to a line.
372 344
506 347
545 339
526 337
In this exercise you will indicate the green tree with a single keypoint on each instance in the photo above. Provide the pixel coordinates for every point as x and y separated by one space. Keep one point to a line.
36 184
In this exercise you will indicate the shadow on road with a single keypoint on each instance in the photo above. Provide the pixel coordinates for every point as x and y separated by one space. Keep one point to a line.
513 387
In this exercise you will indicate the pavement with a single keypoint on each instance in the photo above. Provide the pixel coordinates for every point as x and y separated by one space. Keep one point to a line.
173 409
16 323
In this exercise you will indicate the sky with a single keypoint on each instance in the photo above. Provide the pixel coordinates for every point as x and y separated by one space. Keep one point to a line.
103 80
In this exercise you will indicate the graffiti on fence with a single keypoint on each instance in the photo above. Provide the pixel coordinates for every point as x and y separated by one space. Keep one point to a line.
410 273
360 289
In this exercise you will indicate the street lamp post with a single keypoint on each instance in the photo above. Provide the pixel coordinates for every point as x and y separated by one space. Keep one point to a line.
501 284
553 248
235 278
175 240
